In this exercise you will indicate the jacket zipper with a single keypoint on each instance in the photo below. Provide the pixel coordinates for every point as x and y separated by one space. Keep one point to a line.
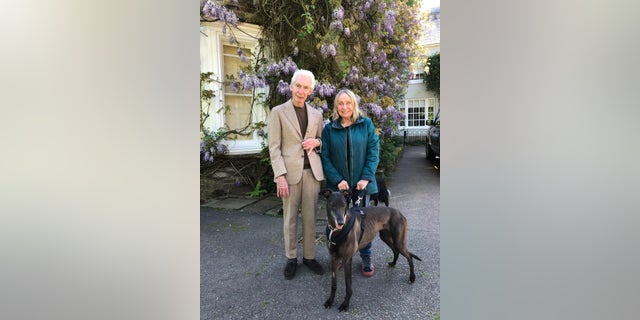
348 154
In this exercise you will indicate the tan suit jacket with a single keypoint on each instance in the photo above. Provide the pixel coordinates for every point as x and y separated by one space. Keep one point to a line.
285 142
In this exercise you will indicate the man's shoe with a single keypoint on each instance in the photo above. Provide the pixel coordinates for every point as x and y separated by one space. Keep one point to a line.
290 268
313 265
367 267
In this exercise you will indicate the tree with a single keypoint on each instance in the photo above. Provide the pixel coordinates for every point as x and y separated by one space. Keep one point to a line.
432 78
363 45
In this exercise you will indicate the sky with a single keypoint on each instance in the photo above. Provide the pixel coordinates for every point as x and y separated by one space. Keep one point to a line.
426 4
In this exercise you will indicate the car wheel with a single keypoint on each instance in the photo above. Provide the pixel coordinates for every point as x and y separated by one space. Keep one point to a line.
430 154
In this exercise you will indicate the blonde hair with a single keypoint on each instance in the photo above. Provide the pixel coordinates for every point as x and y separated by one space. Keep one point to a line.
354 100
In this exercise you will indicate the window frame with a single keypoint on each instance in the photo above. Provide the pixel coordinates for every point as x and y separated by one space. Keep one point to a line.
212 59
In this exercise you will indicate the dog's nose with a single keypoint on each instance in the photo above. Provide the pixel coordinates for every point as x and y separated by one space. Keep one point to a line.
339 226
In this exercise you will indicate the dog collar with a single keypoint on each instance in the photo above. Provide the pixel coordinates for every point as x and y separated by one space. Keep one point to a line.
338 237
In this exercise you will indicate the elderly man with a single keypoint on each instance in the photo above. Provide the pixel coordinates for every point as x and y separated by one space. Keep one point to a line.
294 147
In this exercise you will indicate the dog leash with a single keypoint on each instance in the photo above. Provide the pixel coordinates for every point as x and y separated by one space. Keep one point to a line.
362 214
357 202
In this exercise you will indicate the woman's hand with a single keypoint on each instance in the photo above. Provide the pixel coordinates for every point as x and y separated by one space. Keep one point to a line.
362 184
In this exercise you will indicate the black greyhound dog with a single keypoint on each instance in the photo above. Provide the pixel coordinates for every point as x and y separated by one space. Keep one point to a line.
351 229
383 192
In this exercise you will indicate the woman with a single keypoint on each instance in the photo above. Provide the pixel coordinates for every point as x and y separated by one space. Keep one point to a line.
350 156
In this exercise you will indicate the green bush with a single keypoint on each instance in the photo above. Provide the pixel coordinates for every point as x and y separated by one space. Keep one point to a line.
390 150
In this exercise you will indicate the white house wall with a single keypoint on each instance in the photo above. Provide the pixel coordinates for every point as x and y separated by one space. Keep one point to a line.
417 90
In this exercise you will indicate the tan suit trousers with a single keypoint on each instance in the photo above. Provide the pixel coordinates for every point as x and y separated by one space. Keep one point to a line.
303 196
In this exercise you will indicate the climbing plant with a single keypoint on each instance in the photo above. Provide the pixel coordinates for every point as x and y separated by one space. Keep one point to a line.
363 45
432 77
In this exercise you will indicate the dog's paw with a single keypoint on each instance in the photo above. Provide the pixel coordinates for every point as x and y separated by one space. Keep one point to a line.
392 264
328 303
343 307
412 278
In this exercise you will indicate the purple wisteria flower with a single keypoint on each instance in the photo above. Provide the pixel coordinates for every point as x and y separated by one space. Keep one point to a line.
371 47
325 90
252 81
382 6
373 109
288 66
273 69
347 32
390 21
235 86
214 10
328 50
325 107
248 82
243 58
336 25
338 13
283 88
387 131
367 5
375 28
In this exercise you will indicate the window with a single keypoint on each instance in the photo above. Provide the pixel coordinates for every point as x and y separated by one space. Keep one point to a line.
431 106
415 113
237 103
231 109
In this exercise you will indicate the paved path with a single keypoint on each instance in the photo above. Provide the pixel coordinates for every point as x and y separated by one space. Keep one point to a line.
242 260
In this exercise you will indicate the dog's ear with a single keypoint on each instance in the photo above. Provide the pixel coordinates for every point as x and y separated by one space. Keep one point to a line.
346 193
326 193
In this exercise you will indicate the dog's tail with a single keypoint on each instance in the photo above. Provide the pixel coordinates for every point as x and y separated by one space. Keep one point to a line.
414 256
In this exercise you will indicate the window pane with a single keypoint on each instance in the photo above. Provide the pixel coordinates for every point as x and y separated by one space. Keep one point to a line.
238 114
232 67
237 102
431 107
416 113
233 51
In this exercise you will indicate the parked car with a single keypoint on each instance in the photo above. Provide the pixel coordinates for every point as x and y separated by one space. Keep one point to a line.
433 138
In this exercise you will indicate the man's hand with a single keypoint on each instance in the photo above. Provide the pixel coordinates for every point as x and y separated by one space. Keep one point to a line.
282 187
310 144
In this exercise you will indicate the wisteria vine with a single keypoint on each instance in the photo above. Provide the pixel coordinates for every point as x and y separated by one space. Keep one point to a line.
365 46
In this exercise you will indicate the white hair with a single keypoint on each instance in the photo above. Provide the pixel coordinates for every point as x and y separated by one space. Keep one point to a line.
303 72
